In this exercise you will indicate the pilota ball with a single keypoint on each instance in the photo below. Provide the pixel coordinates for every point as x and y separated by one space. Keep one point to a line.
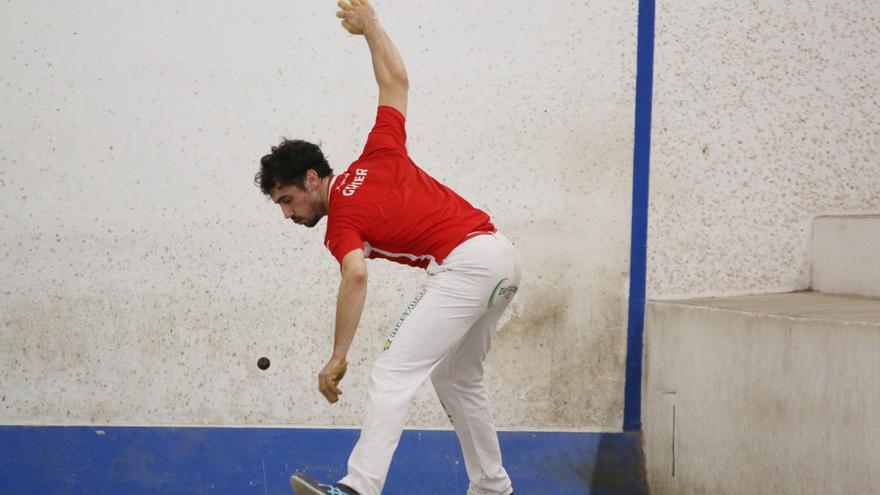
263 363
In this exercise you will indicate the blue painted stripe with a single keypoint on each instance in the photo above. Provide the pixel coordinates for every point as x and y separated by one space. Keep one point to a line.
632 409
259 461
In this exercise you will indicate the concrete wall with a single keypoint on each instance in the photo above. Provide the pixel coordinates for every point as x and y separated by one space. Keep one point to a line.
143 273
765 116
762 394
764 119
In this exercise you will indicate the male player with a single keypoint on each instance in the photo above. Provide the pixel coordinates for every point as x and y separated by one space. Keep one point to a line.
384 206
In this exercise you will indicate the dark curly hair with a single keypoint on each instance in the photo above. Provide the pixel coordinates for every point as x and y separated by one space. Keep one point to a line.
288 163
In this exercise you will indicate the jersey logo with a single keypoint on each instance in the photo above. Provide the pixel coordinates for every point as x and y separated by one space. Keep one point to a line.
341 182
360 175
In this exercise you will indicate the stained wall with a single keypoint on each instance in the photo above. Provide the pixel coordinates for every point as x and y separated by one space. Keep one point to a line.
144 274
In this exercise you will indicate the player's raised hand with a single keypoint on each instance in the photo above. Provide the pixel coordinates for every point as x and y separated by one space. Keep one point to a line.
329 378
356 15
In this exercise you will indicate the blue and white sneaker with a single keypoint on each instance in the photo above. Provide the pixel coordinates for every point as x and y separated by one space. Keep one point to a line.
303 485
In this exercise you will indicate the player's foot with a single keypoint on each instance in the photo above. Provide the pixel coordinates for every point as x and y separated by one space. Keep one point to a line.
303 485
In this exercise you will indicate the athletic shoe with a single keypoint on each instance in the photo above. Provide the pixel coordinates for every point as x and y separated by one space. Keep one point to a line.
303 485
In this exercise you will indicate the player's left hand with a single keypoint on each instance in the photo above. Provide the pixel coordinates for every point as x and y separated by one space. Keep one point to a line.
329 378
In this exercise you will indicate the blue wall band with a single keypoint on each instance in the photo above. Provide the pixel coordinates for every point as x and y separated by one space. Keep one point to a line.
632 409
243 461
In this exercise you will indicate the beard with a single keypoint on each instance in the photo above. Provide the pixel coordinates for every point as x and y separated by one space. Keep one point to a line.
313 221
314 216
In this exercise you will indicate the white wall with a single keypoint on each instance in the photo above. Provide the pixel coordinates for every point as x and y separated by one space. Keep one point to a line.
765 116
144 274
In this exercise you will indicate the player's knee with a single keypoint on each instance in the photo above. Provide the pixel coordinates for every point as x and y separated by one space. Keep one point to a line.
440 381
382 375
467 383
390 376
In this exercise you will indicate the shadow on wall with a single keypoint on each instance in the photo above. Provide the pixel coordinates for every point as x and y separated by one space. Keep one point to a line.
554 463
619 465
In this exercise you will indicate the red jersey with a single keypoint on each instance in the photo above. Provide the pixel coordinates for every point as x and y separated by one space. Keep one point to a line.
390 208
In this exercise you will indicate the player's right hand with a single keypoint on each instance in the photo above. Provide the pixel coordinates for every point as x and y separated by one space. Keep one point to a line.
329 378
356 15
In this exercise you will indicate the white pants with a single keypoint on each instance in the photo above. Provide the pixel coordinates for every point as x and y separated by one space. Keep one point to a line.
445 333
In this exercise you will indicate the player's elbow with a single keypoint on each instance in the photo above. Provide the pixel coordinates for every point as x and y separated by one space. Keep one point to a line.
402 80
354 267
396 81
356 276
355 273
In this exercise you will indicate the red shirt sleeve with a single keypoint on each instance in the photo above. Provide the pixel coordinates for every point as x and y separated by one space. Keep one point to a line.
342 240
344 233
389 132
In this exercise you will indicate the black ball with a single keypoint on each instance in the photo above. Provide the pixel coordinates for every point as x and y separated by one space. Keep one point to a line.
263 363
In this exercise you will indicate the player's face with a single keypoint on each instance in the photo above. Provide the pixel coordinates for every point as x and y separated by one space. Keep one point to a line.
302 206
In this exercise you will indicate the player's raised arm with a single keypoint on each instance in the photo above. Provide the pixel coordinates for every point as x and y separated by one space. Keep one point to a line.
358 17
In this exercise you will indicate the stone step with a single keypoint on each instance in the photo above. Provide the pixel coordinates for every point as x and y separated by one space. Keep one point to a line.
770 394
846 255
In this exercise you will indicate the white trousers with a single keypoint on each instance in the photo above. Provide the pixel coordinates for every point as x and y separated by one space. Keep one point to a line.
445 333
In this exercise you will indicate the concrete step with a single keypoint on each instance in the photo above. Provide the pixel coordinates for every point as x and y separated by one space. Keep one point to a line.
846 255
771 394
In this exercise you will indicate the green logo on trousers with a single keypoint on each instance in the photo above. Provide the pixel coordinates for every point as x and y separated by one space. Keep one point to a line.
503 292
494 293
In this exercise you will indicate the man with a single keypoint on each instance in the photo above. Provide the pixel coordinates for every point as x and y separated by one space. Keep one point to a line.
384 206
